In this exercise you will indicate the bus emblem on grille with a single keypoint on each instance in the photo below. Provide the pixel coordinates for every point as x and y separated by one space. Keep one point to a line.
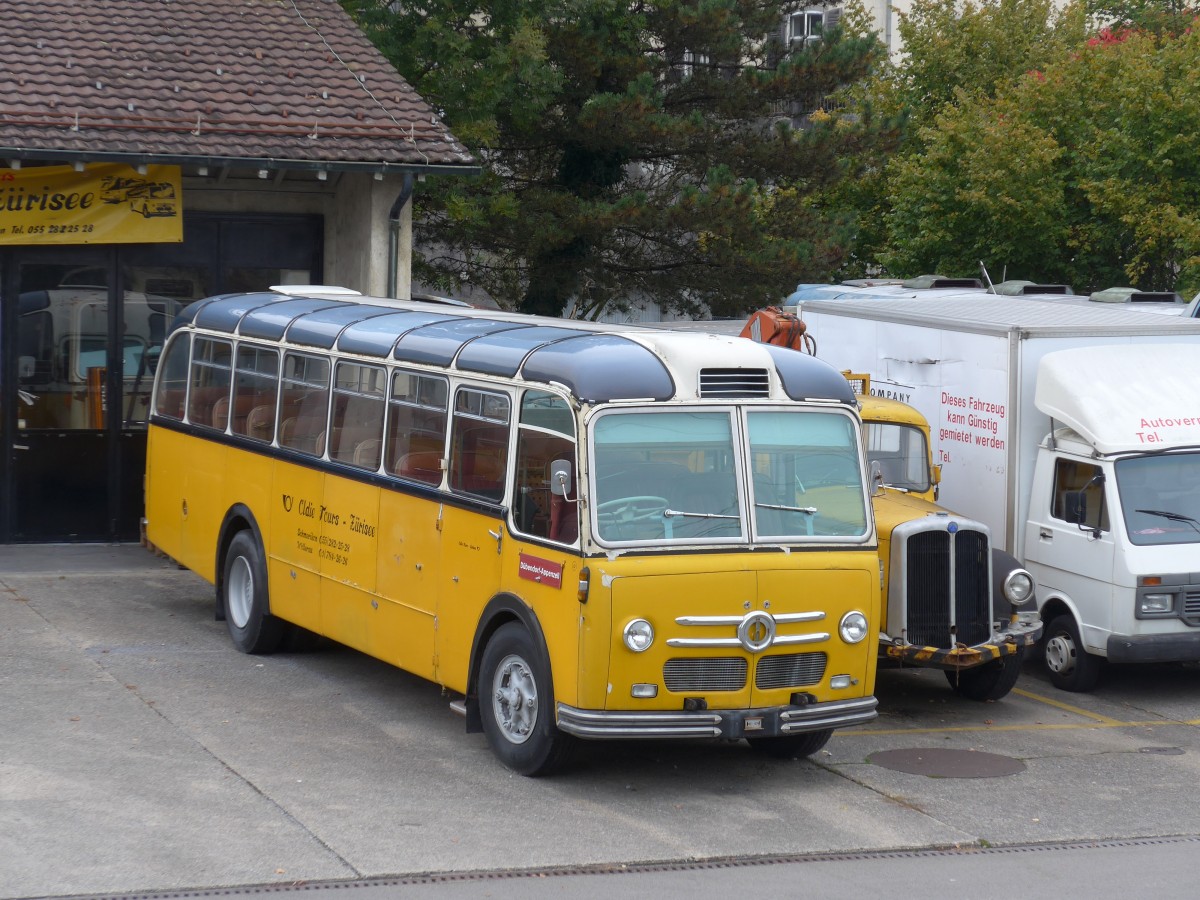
757 631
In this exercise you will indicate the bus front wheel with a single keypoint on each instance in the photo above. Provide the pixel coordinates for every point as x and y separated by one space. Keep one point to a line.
244 598
515 704
792 746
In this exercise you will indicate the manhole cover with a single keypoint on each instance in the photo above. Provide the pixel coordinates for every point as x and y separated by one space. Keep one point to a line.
937 762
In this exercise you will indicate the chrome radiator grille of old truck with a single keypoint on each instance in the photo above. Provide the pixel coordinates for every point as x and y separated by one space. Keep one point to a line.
940 583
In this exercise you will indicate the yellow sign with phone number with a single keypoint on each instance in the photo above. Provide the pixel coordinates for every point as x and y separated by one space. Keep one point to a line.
106 203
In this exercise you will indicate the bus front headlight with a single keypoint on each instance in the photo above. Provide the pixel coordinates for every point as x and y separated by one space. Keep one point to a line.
1018 586
853 627
638 635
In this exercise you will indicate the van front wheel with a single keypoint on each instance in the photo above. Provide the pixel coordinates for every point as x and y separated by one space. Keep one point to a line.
1071 668
516 705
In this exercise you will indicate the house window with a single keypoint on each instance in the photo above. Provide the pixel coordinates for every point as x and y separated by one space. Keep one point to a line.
692 62
805 27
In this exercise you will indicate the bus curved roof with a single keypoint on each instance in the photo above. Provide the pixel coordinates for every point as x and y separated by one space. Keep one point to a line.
596 362
1125 397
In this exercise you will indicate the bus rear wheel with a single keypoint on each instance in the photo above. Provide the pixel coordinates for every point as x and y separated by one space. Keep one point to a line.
792 746
244 598
515 704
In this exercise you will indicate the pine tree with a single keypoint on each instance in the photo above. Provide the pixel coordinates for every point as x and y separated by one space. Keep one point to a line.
631 150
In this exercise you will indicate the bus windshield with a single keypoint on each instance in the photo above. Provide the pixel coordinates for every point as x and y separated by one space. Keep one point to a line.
902 453
724 475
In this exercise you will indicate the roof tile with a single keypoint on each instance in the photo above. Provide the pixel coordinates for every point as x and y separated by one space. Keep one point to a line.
279 79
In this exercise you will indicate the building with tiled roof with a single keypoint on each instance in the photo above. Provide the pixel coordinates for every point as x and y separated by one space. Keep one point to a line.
173 149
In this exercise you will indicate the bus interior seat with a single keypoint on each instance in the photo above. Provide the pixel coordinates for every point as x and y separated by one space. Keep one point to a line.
260 422
423 465
201 402
367 453
480 472
306 429
241 408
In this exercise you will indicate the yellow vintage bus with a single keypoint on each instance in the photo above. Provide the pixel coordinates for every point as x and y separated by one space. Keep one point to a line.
579 531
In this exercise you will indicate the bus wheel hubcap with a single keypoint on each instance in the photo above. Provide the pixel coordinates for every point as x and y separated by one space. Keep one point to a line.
514 699
240 591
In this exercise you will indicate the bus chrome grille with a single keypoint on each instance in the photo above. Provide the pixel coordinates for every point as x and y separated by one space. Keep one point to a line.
947 589
790 671
705 674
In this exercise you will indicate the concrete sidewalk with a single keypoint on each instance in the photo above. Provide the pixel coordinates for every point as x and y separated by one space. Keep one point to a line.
139 751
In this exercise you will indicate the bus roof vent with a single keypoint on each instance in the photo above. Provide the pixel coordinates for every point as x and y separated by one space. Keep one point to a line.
930 282
718 383
1133 295
1020 288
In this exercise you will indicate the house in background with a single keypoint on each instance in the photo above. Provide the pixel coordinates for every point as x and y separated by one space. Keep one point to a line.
156 152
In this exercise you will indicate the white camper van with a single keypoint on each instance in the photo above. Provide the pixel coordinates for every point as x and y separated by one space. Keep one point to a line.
1074 433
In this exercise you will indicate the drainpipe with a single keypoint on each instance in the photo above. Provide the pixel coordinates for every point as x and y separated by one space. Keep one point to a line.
402 198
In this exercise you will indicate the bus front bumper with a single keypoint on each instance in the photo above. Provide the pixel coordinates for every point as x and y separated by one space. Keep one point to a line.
775 721
1011 642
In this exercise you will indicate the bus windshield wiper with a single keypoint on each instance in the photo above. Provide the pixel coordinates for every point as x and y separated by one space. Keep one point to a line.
1173 516
671 513
810 510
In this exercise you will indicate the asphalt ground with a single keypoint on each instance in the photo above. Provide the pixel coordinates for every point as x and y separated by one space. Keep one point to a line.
140 752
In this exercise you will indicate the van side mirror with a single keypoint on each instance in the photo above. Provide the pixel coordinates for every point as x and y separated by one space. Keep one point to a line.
1076 505
560 477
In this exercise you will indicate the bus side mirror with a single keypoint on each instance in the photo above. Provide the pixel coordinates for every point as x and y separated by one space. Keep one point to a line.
560 477
876 478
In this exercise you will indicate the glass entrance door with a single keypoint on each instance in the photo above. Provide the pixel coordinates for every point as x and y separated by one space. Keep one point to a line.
64 457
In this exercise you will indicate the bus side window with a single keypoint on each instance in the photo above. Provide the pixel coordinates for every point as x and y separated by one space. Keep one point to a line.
416 439
172 387
304 414
479 443
358 415
211 376
546 434
255 390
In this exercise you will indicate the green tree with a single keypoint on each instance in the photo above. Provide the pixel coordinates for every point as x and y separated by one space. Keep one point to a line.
630 149
954 53
1086 172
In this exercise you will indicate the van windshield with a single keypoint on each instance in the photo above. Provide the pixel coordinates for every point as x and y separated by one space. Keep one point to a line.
1160 498
725 475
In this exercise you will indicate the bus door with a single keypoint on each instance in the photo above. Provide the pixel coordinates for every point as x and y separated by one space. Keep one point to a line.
408 574
298 491
351 609
474 532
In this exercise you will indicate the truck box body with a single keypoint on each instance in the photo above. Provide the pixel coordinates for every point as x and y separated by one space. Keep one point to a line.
969 363
1073 432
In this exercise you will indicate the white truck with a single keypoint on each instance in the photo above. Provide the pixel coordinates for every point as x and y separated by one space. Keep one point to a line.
1072 432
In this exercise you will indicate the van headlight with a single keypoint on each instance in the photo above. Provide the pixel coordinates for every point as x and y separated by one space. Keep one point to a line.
638 635
853 627
1017 587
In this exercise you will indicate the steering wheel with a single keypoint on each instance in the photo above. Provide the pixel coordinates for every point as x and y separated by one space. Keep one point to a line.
632 509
